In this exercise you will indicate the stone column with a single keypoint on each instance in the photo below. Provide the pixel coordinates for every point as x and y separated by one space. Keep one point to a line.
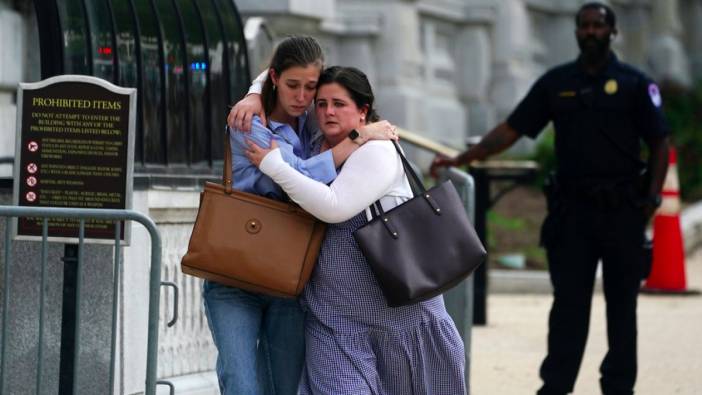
474 64
417 77
398 85
19 40
691 13
668 60
554 26
355 29
513 68
633 23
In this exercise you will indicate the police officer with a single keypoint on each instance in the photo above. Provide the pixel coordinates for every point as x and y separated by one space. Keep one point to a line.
598 207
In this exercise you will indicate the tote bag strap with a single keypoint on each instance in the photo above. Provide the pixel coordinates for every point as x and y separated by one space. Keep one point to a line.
227 171
414 180
416 185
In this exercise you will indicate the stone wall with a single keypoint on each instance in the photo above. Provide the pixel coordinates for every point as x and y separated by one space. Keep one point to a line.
451 69
186 348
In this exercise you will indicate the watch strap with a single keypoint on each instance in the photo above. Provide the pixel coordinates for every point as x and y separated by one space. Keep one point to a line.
354 136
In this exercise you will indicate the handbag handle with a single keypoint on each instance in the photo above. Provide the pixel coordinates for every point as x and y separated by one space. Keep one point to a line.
227 171
418 182
377 209
415 182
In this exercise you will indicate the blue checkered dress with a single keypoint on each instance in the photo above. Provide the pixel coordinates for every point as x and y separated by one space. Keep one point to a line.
355 344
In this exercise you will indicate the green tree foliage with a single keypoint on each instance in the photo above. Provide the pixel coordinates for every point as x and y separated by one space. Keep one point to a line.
544 155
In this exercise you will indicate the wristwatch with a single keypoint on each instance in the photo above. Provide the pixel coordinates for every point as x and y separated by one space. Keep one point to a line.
353 135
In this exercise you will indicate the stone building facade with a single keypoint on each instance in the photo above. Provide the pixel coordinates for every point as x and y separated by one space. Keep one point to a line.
446 69
451 69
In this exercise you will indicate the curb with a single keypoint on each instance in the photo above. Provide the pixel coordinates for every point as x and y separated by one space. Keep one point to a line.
534 282
502 281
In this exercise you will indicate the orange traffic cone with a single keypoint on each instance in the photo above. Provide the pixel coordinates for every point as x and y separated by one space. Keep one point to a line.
668 268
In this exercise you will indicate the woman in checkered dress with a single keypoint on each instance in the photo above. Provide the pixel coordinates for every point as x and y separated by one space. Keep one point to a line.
355 343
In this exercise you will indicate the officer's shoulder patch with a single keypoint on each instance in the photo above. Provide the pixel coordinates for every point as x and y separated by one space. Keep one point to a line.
655 94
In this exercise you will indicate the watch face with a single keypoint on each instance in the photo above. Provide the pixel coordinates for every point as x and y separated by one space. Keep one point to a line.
353 135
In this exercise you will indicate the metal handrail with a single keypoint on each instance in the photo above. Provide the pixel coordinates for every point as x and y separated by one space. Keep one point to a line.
427 143
501 165
108 214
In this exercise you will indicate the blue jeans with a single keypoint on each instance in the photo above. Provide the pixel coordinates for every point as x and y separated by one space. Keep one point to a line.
259 338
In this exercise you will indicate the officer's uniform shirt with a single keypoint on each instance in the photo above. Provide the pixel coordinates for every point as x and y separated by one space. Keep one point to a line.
620 102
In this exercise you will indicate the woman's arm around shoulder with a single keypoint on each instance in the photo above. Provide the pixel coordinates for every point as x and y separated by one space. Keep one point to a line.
369 173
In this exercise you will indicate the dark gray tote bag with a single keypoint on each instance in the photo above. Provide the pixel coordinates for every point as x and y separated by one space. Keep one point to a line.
424 246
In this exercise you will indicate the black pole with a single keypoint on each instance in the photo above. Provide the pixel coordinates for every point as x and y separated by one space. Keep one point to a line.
68 318
480 285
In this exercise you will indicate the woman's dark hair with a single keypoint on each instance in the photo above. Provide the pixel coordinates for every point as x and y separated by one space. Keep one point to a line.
292 51
610 17
356 83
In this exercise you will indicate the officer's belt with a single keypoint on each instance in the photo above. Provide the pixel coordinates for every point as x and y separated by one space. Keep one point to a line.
585 184
601 193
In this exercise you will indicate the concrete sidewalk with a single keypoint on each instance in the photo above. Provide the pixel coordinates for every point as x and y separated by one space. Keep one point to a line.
506 354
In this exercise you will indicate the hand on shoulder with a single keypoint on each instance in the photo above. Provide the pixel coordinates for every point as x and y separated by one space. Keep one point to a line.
241 115
380 130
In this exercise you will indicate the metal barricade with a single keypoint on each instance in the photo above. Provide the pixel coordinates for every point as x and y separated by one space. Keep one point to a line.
45 213
459 299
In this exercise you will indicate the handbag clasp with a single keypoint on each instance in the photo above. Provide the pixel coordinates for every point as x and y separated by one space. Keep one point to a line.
253 226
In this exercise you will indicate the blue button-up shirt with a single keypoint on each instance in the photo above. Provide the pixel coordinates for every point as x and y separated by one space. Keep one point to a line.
297 148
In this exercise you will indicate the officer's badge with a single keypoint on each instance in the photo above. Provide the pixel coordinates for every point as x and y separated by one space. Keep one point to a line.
611 87
655 94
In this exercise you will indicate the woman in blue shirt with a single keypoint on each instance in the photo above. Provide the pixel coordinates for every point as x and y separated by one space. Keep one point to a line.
259 338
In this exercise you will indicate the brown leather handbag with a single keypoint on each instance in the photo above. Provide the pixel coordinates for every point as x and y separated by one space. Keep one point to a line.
251 242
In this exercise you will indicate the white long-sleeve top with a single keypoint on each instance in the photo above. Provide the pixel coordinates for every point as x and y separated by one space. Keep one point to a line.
373 172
